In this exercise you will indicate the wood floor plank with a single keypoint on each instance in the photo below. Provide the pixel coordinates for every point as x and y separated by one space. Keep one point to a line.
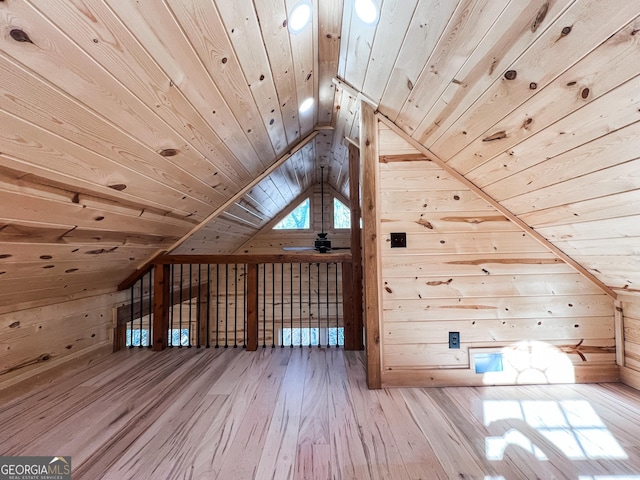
456 456
348 457
419 457
379 443
278 457
243 457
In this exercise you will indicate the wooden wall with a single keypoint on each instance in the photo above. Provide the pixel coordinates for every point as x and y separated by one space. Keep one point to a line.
468 269
34 340
629 308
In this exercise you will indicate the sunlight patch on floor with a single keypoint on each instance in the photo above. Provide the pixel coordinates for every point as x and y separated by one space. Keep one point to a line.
568 428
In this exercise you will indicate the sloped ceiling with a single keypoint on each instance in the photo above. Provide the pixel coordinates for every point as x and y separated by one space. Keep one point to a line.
536 102
126 124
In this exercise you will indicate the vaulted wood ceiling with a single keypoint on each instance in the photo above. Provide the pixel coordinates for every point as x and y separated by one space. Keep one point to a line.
127 124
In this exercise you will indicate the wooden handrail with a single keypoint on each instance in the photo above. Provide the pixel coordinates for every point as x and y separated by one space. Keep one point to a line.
249 258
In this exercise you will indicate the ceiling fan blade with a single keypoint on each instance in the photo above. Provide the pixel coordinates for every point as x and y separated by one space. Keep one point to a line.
340 248
297 249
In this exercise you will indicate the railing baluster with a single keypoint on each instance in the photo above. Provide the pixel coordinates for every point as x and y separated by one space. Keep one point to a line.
264 305
208 306
190 303
310 317
226 305
170 342
300 302
244 307
235 306
150 307
280 337
130 322
291 304
273 305
199 308
217 305
141 312
337 312
319 306
328 313
180 309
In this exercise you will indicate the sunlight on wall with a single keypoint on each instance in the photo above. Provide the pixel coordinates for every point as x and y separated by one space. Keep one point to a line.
568 428
532 362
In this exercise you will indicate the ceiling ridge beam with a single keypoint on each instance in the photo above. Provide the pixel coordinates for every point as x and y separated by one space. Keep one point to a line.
143 268
497 205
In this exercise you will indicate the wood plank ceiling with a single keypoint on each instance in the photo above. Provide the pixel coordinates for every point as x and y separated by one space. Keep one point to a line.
126 124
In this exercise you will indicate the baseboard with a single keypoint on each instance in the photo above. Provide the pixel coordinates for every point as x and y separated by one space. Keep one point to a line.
598 373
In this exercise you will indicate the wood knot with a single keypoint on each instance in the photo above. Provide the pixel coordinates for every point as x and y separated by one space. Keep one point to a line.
566 31
45 257
585 93
496 136
224 60
533 85
5 255
367 143
511 75
169 152
261 77
542 13
14 325
409 84
20 35
118 186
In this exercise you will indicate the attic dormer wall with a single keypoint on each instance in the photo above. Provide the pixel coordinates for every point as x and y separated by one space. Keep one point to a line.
467 269
268 240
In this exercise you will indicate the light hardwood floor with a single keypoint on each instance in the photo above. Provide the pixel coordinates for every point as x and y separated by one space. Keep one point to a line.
307 414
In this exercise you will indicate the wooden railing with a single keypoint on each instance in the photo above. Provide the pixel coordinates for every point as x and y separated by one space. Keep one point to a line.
249 301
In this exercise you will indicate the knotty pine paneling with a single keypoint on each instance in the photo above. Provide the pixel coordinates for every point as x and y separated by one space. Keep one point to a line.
34 340
630 305
467 269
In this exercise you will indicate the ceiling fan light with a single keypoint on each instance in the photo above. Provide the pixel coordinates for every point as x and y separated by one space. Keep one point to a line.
306 105
299 17
367 11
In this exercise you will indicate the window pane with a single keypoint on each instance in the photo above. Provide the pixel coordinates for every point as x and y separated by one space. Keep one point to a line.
341 214
298 219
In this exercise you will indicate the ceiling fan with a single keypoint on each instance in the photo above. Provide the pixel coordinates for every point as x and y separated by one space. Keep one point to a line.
321 244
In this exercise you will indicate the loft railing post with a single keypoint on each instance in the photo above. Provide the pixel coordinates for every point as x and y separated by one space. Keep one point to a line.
252 307
356 246
162 283
351 331
203 309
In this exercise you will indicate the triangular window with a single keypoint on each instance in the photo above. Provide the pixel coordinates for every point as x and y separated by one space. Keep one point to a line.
341 214
298 219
